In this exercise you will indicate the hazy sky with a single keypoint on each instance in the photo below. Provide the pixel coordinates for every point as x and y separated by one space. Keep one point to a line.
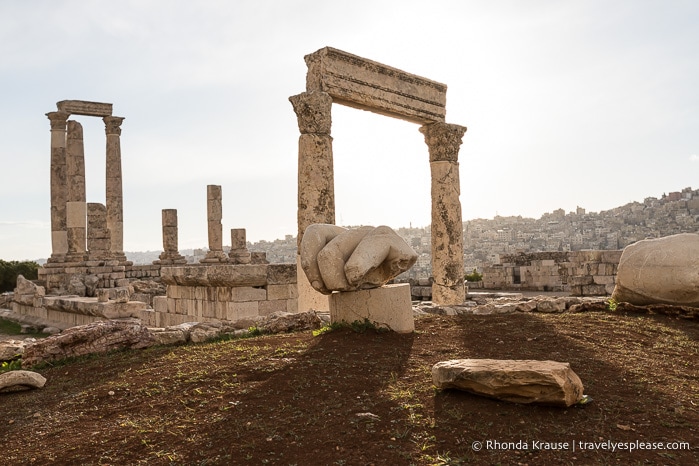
567 103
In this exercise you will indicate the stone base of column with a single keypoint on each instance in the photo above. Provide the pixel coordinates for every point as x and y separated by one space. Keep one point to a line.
239 256
309 298
170 259
448 295
215 257
387 307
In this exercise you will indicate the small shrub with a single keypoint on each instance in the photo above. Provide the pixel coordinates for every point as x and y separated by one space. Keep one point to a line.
473 276
14 365
612 304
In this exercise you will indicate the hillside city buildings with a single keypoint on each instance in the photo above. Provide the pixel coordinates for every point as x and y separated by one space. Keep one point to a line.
487 240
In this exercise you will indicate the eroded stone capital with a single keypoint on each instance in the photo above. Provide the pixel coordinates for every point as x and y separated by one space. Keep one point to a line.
58 120
313 111
112 125
443 141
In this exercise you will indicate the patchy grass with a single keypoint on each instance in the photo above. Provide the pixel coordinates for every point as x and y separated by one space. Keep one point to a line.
362 396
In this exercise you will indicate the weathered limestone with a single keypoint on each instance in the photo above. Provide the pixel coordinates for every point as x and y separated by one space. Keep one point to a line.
114 198
59 185
337 76
660 271
84 107
76 208
357 82
338 259
97 337
443 141
21 379
519 381
388 307
171 254
239 253
316 185
98 234
214 215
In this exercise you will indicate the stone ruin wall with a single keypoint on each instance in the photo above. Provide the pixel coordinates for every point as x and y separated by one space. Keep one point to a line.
581 273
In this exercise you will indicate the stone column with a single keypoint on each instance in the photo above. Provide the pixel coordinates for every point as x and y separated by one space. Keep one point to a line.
239 253
214 215
76 207
316 181
114 197
443 141
59 186
98 235
171 253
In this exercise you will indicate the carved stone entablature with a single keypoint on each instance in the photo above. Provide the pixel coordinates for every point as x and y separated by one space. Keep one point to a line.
83 107
368 85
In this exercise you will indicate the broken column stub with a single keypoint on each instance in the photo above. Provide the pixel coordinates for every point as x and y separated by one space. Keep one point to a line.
98 235
239 253
443 141
171 253
214 215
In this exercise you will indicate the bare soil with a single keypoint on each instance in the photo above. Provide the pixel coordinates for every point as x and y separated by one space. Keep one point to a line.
349 397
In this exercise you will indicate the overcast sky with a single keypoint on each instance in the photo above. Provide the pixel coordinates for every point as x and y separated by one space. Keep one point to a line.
567 103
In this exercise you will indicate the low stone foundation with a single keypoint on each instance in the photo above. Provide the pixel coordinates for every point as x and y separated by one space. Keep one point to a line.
224 292
388 306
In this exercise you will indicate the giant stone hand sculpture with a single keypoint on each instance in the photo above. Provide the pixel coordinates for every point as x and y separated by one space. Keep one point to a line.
341 259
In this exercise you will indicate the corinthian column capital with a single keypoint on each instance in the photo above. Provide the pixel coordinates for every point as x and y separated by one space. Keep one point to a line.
443 141
112 125
58 120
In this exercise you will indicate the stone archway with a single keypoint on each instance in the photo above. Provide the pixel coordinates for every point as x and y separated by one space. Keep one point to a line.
335 76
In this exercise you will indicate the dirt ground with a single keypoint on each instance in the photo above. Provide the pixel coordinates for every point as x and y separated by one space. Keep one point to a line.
349 397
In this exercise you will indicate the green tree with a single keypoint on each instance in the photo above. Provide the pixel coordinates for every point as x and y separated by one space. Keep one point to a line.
10 270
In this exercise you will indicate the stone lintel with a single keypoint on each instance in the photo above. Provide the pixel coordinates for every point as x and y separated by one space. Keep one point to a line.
365 84
83 107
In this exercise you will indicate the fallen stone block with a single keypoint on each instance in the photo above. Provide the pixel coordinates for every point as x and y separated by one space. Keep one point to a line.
519 381
21 379
282 322
96 337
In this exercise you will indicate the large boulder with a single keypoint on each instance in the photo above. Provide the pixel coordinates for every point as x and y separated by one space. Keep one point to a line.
660 271
520 381
97 337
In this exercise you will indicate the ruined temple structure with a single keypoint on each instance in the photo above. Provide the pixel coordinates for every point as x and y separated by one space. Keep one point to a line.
335 76
87 239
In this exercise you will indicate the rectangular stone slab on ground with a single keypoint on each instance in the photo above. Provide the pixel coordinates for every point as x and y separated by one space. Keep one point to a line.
521 381
388 306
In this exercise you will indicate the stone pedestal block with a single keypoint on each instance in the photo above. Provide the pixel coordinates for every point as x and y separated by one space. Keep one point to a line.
388 306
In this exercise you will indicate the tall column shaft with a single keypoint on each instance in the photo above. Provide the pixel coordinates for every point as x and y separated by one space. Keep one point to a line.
59 185
114 195
214 215
316 181
443 141
76 207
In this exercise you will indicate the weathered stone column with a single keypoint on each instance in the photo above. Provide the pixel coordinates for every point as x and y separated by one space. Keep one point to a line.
214 215
76 207
171 253
98 235
114 197
443 141
239 253
316 180
59 186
